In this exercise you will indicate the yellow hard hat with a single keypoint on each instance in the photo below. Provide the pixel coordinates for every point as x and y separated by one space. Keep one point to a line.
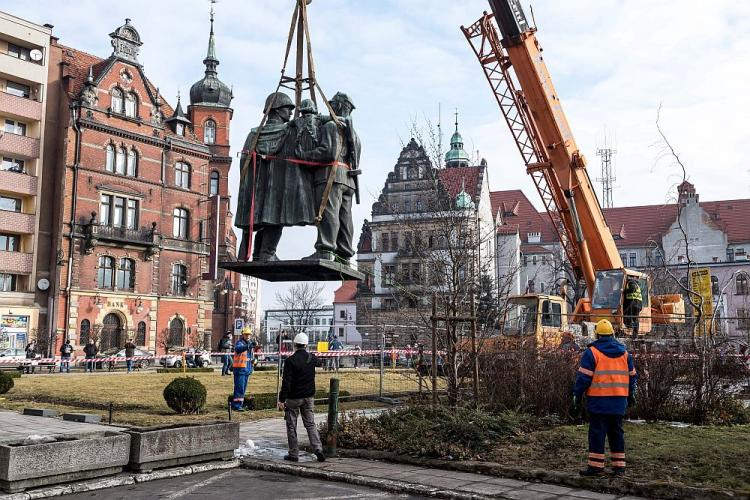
604 327
248 331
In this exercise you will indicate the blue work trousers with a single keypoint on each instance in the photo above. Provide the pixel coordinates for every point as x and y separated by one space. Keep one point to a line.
226 363
240 386
606 427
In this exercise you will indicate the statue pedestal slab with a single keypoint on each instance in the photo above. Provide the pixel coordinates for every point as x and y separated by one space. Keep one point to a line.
295 270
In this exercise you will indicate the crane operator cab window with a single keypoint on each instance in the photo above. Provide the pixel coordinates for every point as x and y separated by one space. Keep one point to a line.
551 314
521 317
608 289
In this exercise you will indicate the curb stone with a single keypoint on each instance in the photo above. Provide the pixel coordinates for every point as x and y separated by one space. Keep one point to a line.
123 479
382 484
621 486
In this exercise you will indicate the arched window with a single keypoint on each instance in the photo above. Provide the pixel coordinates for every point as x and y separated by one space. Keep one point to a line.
120 161
741 284
125 274
209 132
84 332
109 162
176 332
140 334
180 223
131 104
213 185
132 162
179 279
182 175
105 273
116 104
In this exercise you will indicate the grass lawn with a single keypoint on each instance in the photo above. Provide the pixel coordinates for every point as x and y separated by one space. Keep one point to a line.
697 456
138 396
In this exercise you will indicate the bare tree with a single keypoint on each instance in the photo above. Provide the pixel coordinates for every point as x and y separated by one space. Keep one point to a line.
300 304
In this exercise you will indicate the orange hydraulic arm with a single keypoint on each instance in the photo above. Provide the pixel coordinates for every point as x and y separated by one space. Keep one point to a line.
540 128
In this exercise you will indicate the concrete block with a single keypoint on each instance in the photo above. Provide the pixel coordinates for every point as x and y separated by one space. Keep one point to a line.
67 458
88 418
40 412
169 446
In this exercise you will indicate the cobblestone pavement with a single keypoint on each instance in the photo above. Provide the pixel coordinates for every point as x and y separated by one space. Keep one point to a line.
265 440
238 483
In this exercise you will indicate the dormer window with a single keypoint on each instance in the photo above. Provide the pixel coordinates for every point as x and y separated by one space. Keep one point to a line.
131 105
209 132
535 237
179 129
117 101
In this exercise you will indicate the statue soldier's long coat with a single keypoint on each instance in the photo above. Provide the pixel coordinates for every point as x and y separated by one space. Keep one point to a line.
283 190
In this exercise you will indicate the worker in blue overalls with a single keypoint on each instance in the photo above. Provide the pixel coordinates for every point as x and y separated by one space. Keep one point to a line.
242 367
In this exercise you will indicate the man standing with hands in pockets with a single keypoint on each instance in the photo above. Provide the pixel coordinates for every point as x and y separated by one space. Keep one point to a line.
296 396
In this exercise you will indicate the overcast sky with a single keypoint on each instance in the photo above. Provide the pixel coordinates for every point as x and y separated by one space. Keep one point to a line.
612 62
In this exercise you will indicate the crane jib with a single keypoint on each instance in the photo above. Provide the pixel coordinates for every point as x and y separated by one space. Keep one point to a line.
511 20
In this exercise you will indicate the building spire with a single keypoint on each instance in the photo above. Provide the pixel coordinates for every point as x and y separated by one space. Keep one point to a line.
456 113
211 61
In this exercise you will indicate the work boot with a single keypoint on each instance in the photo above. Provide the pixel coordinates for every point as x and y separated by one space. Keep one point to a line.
591 472
318 255
290 458
618 471
321 457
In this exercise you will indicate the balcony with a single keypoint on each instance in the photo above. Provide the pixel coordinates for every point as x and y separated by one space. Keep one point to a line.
16 262
21 69
20 107
17 222
186 246
18 183
140 236
19 145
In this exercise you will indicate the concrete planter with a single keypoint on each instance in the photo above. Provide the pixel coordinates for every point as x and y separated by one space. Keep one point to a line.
168 446
61 459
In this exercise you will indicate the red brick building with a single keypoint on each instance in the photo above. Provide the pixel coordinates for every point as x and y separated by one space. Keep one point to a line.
141 200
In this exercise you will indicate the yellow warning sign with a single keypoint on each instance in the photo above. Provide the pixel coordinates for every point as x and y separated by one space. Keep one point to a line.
322 346
700 282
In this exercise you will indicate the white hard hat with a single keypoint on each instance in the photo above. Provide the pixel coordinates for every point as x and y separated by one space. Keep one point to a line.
301 339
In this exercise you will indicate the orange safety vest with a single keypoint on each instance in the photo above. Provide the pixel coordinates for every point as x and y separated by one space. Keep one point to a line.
239 360
611 376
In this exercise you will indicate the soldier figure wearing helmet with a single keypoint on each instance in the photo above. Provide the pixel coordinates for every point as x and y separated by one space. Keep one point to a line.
281 190
607 376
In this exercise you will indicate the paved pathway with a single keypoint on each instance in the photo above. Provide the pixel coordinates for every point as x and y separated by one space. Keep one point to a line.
266 440
14 426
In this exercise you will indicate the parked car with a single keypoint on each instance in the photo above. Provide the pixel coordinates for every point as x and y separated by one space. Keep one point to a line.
114 353
12 358
174 359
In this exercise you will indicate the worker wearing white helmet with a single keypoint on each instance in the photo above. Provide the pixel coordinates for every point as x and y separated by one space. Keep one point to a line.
296 396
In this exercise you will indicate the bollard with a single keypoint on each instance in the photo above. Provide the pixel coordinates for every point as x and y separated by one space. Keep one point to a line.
333 414
111 405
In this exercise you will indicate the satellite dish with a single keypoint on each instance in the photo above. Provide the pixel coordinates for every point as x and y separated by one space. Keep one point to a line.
43 284
36 55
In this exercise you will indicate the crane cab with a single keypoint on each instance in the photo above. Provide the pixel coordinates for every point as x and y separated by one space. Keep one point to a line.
532 319
607 301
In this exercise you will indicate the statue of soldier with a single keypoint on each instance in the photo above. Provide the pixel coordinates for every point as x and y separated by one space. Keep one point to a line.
340 146
282 190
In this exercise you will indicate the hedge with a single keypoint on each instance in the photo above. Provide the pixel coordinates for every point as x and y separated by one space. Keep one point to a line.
188 370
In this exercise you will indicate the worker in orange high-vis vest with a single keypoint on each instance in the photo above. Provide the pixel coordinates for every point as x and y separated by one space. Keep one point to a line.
607 376
242 368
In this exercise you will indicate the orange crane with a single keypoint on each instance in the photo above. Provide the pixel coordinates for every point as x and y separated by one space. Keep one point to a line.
515 69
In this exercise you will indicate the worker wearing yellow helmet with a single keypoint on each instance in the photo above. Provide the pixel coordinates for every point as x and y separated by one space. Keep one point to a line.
242 368
607 376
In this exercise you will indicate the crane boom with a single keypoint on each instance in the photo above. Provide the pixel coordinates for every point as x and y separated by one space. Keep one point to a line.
515 68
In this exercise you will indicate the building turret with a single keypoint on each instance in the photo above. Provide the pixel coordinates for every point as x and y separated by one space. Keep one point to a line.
456 156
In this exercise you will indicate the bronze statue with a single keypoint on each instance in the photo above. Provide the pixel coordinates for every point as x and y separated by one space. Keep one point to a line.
281 189
337 147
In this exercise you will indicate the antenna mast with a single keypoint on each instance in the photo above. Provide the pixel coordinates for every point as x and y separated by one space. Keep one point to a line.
608 174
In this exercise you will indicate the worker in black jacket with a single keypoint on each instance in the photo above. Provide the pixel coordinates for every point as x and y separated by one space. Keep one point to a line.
296 396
